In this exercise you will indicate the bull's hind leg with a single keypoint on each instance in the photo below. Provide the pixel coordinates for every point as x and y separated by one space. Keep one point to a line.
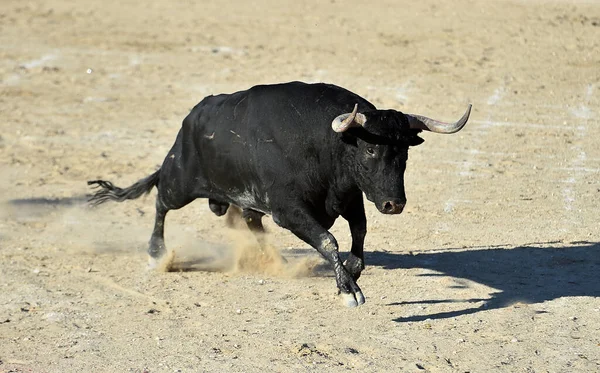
160 257
253 220
157 248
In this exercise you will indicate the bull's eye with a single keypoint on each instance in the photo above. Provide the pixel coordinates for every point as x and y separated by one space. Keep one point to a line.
370 151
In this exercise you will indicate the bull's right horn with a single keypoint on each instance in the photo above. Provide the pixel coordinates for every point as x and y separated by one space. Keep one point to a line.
354 119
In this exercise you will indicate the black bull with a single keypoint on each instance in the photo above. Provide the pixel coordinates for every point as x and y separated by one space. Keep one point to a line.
303 153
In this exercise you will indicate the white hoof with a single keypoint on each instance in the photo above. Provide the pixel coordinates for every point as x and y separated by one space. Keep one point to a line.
152 264
360 298
348 300
162 264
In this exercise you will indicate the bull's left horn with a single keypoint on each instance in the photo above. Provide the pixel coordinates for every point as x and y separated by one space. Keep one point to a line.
354 119
427 124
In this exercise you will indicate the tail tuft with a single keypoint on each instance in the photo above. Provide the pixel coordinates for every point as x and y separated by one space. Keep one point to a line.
109 192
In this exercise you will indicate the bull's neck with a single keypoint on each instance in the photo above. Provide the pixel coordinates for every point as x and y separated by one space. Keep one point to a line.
344 170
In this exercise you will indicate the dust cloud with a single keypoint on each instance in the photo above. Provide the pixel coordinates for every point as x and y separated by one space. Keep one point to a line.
242 252
256 254
70 225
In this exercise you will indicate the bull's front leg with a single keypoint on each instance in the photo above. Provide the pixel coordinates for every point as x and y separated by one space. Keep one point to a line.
306 227
355 215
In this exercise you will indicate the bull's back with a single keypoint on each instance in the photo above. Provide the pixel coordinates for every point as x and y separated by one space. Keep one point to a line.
251 141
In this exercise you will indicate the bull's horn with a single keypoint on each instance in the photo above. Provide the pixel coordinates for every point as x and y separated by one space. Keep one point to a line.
354 119
427 124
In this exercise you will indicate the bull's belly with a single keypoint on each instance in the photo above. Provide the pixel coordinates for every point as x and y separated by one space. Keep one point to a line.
251 200
246 198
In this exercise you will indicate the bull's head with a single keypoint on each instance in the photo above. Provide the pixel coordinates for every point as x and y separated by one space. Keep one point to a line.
380 141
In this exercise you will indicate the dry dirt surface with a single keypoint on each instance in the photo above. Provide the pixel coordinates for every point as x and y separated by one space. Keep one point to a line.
493 267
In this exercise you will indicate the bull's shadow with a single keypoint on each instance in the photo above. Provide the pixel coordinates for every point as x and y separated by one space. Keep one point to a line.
531 273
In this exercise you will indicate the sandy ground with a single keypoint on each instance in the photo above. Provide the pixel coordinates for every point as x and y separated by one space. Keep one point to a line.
493 267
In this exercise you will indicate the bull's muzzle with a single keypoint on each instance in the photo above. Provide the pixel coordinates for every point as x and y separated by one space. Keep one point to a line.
392 207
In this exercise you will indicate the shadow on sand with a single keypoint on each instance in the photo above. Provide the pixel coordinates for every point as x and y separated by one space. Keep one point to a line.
35 208
532 273
49 202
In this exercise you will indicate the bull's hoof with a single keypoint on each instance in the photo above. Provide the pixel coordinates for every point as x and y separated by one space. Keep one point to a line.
162 264
352 300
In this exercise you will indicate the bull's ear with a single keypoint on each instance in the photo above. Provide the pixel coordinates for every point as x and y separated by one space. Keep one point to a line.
415 140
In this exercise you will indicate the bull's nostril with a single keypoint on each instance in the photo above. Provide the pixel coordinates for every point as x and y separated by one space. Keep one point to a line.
388 206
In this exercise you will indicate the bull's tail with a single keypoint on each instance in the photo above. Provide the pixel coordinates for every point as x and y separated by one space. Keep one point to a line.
109 192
